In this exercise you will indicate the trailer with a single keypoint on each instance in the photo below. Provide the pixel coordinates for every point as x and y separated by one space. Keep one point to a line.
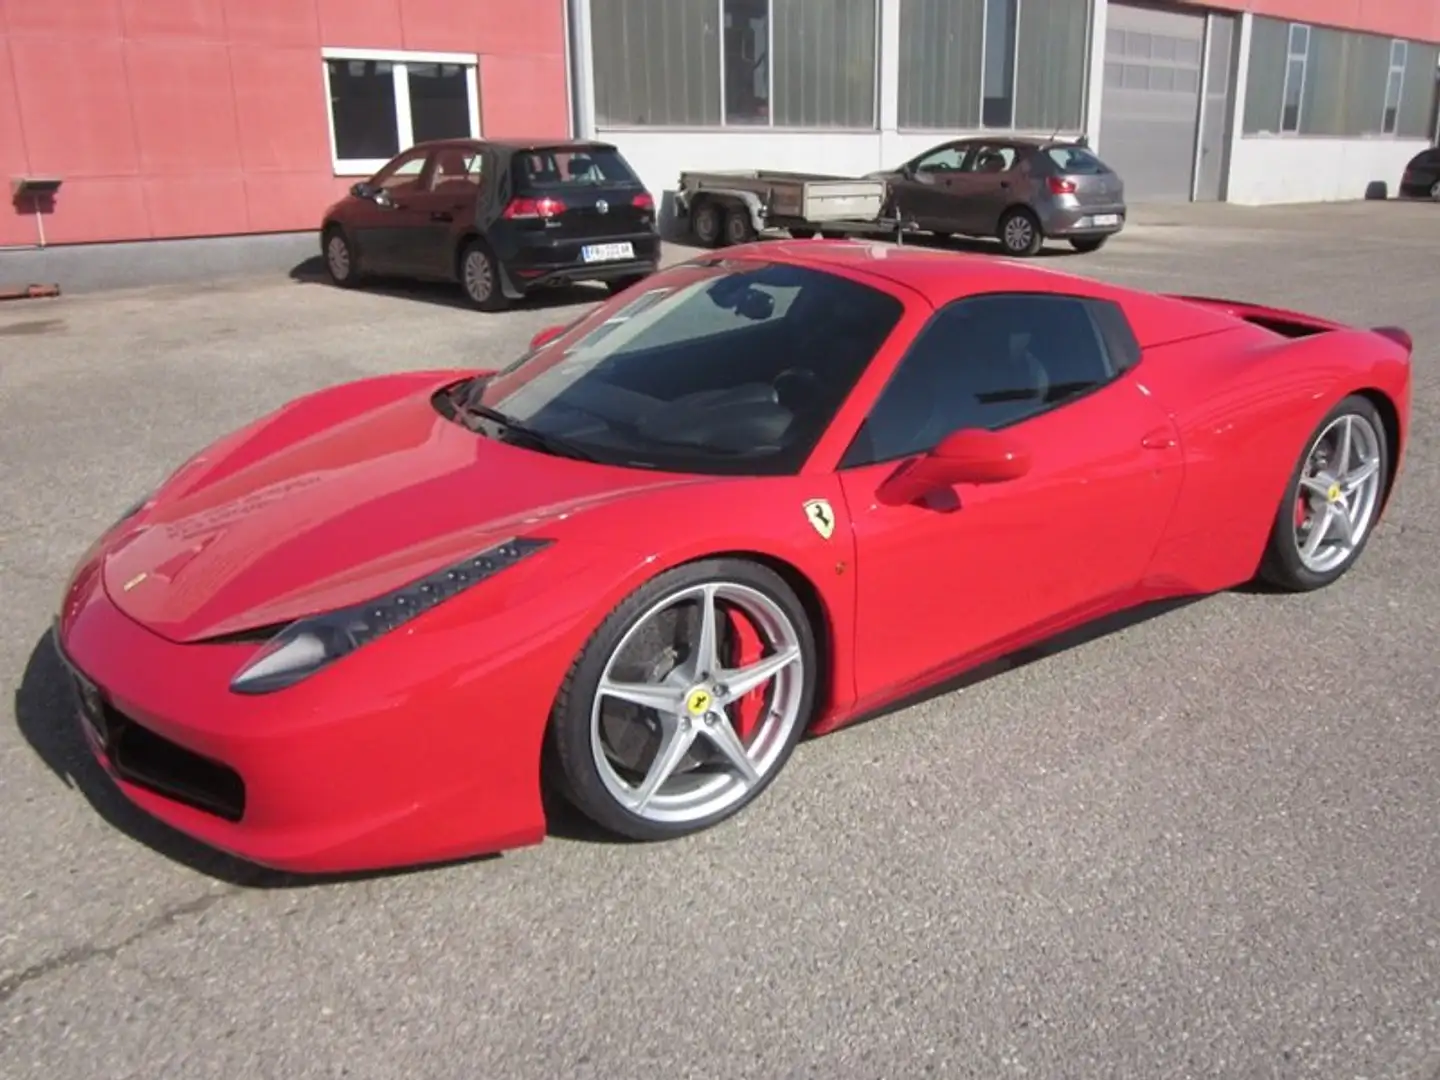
735 206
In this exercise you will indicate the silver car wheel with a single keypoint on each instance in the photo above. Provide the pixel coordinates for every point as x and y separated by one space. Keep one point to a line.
337 253
1339 493
1019 233
665 725
479 279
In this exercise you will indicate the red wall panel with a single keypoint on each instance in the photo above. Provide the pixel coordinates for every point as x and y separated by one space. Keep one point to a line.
1418 20
170 118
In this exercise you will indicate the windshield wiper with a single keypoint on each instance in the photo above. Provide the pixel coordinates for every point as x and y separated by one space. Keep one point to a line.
541 440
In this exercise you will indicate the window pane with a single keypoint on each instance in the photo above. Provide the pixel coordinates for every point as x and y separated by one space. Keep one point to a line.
558 168
1266 75
941 42
983 363
1418 93
1294 84
824 63
362 104
747 61
1050 79
999 96
656 62
1324 94
439 101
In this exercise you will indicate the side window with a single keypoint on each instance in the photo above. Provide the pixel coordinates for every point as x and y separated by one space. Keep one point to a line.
990 159
946 159
404 172
989 362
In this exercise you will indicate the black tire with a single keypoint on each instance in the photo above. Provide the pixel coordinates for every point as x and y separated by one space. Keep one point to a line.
342 260
479 275
1087 244
1435 191
739 229
1019 233
575 774
619 285
1281 566
802 234
707 223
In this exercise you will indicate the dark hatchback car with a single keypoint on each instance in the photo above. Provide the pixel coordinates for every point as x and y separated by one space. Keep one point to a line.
501 217
1020 191
1422 176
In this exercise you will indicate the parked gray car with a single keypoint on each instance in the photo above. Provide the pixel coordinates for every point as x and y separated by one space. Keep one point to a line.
1021 191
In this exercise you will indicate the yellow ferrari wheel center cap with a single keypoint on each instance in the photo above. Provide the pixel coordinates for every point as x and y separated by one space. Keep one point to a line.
1334 493
698 702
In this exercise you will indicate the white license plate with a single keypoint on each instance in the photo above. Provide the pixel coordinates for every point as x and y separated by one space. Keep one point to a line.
607 252
1107 219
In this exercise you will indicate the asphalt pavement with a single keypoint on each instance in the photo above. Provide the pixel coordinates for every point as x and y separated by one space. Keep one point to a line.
1203 845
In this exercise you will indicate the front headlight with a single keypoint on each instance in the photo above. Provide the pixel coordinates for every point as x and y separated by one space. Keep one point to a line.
309 644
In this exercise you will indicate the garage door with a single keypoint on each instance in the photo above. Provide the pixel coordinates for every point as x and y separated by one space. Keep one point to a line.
1151 103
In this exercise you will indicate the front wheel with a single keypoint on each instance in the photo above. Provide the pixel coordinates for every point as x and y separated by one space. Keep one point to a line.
687 701
1085 245
1333 500
342 262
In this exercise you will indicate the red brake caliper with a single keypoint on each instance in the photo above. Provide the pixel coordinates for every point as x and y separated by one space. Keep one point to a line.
746 649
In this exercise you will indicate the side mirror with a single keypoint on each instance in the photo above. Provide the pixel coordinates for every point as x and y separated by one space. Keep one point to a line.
361 190
908 170
968 456
544 337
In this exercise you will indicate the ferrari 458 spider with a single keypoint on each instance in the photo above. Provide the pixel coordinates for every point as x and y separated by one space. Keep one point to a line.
756 495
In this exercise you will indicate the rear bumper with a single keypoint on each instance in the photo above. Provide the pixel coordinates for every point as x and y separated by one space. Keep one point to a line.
1082 221
538 259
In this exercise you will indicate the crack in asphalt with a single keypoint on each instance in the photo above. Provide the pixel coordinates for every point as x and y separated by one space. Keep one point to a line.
84 954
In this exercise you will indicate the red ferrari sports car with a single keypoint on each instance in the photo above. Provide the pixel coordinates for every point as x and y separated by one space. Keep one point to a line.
756 495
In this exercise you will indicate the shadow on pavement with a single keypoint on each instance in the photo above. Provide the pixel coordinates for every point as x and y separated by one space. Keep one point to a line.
45 715
311 271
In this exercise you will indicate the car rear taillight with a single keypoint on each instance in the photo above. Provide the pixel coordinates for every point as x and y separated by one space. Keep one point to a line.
643 201
534 208
1060 186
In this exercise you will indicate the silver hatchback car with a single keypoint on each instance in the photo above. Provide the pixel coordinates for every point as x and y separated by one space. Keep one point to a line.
1022 191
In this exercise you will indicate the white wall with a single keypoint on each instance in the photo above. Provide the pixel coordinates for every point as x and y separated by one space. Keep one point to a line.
1287 169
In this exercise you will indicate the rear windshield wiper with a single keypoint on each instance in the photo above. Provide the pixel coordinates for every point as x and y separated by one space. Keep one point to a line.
541 440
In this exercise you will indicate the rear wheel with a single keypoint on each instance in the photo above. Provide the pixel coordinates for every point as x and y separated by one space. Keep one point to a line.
1333 500
1020 233
739 229
480 277
687 701
1087 244
802 234
1435 191
707 223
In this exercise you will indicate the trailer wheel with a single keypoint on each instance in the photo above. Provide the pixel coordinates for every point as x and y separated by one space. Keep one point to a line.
706 223
802 234
738 227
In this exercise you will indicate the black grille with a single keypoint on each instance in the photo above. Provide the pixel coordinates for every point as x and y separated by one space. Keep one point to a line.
141 757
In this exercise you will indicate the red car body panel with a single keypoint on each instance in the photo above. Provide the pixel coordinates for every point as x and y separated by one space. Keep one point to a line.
425 744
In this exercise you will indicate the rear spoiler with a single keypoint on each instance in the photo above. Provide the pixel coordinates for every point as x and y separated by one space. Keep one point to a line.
1291 324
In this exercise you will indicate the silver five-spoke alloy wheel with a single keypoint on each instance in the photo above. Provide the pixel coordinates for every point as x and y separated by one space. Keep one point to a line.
1339 492
683 726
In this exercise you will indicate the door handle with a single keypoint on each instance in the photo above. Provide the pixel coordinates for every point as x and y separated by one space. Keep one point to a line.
441 215
1159 439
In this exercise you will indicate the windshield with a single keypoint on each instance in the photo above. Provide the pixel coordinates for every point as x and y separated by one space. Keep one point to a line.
720 367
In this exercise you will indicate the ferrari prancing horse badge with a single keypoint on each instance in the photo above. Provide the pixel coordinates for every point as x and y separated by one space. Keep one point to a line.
821 517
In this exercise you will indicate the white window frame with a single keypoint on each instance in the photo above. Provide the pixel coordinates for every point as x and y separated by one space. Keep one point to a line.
1393 70
1304 58
367 167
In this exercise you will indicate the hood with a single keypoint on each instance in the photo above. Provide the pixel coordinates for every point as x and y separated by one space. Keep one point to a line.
341 497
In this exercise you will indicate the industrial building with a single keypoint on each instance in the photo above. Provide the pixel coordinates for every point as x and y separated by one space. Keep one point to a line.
131 120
